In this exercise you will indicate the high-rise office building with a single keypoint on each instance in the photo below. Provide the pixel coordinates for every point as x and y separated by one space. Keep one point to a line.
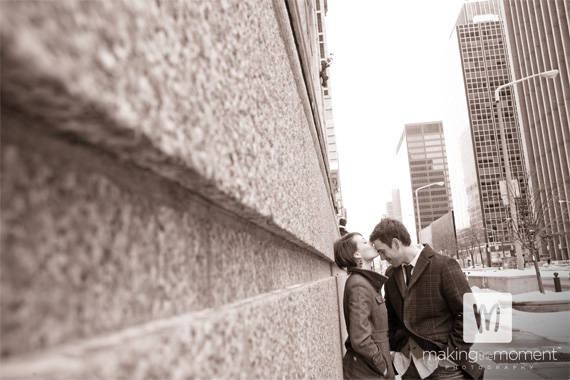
538 33
325 61
389 209
422 150
477 64
396 205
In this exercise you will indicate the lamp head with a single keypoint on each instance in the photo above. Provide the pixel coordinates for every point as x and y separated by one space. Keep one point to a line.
549 74
440 183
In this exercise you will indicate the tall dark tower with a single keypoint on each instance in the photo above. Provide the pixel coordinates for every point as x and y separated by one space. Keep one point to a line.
478 63
539 40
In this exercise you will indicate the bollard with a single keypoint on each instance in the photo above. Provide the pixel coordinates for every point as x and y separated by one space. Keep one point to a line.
557 285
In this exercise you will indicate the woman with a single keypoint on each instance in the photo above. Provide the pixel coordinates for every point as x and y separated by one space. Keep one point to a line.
367 349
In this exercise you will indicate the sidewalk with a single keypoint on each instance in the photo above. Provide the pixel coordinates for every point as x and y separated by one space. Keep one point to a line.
552 367
540 344
534 370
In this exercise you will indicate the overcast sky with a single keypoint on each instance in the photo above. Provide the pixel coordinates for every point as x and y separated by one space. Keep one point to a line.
385 73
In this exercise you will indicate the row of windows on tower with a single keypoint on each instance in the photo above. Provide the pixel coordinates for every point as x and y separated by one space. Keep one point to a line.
493 77
493 74
426 168
488 105
489 140
487 30
431 136
421 181
488 185
487 116
482 63
489 128
483 72
423 129
436 205
425 199
512 145
426 149
427 174
428 162
484 80
427 155
488 54
425 143
514 151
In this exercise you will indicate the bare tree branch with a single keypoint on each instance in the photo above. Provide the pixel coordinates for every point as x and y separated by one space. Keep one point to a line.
470 239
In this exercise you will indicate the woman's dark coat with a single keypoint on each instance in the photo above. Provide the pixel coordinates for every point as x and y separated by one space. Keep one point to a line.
368 350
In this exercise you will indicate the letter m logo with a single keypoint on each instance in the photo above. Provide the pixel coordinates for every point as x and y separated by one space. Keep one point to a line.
487 317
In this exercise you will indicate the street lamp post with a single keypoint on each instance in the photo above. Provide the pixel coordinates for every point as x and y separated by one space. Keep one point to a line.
488 247
503 243
508 176
418 206
562 201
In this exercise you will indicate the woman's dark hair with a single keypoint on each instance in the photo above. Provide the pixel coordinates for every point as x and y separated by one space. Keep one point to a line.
344 249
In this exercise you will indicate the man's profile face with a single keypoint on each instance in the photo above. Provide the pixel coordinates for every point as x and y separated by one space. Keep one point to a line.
390 254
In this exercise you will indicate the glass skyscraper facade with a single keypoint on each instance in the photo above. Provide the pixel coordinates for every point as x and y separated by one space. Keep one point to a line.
477 64
539 40
423 152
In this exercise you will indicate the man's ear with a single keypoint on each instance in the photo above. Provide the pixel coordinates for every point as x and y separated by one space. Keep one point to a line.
395 244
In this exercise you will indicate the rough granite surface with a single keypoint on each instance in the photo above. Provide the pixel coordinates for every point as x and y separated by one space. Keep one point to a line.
90 247
164 210
176 86
288 334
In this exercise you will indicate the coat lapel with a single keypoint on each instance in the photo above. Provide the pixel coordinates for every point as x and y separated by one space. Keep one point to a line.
376 279
421 265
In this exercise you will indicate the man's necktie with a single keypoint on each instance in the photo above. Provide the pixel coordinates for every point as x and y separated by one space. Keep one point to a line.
408 269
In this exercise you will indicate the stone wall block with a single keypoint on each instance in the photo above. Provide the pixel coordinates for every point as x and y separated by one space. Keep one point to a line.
291 333
175 86
251 262
80 260
121 249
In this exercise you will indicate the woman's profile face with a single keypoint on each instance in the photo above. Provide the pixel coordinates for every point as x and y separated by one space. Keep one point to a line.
364 248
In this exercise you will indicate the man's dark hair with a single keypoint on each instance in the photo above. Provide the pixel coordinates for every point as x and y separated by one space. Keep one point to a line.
388 229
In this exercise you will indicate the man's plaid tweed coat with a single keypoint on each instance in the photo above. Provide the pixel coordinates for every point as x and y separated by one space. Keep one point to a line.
430 309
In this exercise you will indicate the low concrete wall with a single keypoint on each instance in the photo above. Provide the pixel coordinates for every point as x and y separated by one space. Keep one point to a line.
514 284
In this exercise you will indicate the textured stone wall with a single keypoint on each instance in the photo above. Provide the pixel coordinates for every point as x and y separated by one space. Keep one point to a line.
165 208
203 93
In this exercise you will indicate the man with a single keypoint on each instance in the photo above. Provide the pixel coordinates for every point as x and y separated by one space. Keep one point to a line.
424 299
